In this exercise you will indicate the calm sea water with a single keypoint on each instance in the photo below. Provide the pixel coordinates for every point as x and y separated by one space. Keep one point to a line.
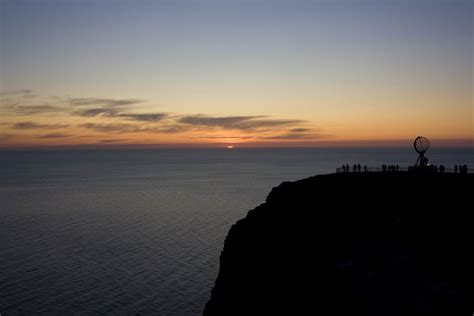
140 231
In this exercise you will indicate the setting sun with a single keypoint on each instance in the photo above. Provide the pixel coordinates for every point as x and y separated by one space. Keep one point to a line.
230 147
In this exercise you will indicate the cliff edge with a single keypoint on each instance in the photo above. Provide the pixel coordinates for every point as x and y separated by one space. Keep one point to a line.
352 243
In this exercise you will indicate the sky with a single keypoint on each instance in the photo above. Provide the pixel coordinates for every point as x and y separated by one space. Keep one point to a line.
235 72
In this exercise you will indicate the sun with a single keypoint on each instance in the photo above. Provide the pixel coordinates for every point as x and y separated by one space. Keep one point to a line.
230 147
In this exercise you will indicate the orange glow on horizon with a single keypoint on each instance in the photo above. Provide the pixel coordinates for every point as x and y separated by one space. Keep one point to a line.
94 123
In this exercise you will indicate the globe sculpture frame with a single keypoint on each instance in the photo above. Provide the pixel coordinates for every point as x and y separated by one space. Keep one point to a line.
421 145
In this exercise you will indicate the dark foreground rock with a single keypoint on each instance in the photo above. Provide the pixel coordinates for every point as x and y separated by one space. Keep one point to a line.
353 244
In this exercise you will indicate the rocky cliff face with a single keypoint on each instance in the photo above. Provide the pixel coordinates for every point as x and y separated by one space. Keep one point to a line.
350 244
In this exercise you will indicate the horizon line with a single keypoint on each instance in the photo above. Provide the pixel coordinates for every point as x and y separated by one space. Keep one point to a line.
401 143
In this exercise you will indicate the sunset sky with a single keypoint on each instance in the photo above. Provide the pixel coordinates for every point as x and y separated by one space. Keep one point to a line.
235 72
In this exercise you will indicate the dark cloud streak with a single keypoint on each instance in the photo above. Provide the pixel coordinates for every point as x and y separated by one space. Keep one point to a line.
113 127
107 141
173 129
54 135
301 130
221 137
33 125
144 117
16 92
120 128
108 112
37 109
103 102
243 123
297 136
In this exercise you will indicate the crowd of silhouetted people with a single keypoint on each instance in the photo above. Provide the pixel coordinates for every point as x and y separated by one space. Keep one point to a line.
390 168
442 169
359 168
355 168
460 168
395 168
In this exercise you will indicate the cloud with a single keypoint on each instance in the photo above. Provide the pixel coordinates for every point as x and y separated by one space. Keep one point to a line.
144 117
172 129
109 112
54 135
299 133
113 127
221 137
103 102
29 96
243 123
33 125
169 124
114 108
215 121
5 137
132 128
106 141
119 116
16 92
36 109
290 136
8 105
298 136
301 130
117 108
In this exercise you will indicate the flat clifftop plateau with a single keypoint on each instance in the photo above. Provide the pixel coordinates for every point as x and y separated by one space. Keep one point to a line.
350 244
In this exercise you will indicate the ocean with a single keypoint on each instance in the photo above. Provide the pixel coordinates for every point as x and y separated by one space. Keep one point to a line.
141 231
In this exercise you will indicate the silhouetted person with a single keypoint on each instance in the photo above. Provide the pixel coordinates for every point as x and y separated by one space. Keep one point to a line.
464 169
354 168
347 168
365 168
398 167
384 167
425 161
441 169
455 168
358 168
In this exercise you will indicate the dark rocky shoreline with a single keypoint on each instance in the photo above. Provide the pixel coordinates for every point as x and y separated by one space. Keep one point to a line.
353 243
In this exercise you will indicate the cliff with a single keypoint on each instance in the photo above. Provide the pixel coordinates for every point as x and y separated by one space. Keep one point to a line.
350 244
